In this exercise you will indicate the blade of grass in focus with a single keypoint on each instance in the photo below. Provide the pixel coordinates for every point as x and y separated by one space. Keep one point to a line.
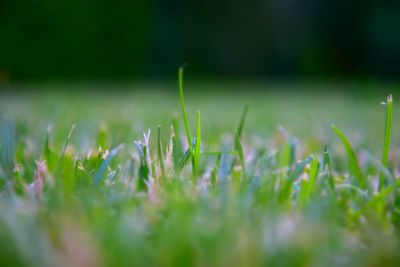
182 100
386 144
197 148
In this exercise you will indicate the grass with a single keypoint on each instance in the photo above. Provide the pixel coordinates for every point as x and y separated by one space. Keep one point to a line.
386 144
84 181
353 162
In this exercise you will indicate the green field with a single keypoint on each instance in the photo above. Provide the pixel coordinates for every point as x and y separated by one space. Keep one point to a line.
277 187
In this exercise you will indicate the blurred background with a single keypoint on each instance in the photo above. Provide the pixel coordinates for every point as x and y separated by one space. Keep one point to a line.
44 40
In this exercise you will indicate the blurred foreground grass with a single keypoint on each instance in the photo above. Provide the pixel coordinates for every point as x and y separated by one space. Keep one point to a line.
104 204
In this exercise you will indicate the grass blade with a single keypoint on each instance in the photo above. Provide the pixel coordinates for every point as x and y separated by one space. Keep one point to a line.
214 172
182 100
287 154
293 175
386 144
160 153
239 132
307 186
197 148
66 145
49 155
242 121
239 149
184 159
326 168
353 163
144 169
7 147
98 177
176 131
314 170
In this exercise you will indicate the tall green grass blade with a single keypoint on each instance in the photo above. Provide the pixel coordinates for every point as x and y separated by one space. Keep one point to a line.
386 144
352 159
160 152
182 100
197 148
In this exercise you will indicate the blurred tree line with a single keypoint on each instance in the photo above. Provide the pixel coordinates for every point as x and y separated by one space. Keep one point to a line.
48 39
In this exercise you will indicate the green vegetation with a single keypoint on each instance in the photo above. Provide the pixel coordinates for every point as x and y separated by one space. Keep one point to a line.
91 179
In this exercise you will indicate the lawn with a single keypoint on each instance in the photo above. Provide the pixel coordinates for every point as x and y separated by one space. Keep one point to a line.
91 177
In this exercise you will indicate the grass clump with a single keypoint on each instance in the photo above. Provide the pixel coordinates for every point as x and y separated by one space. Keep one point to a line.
238 199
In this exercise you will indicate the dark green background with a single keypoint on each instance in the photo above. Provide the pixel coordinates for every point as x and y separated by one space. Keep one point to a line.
104 39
